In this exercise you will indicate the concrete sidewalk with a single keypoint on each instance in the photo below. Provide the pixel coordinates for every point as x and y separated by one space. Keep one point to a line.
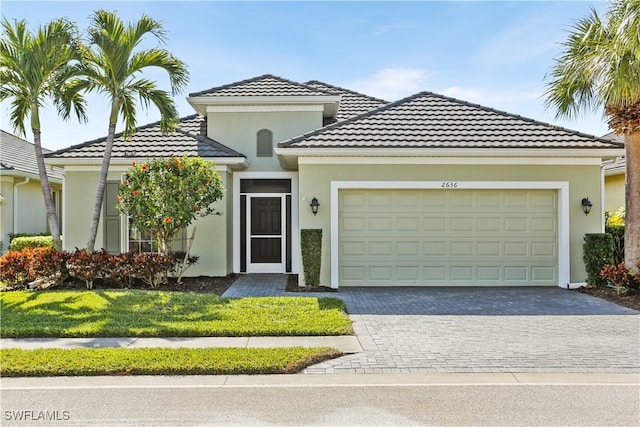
345 343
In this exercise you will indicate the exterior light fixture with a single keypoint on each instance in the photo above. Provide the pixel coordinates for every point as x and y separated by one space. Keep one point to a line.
586 206
314 205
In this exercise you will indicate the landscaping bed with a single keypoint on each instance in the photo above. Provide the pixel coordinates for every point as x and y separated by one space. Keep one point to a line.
625 299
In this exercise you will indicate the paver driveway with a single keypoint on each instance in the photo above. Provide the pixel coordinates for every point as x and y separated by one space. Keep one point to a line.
426 330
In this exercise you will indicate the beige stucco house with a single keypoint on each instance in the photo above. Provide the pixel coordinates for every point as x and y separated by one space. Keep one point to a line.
23 209
425 191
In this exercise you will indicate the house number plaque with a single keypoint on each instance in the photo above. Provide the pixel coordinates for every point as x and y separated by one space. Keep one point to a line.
449 184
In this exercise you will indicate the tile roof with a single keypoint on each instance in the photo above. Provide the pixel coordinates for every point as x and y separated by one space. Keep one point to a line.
428 120
19 155
351 103
189 139
612 136
265 85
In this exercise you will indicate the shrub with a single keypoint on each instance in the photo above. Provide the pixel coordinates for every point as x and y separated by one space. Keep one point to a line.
152 268
621 277
49 263
89 266
121 269
311 244
598 252
20 243
14 235
617 232
14 267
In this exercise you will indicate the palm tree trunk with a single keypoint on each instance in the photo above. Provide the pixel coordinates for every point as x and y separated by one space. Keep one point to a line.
52 217
632 197
102 183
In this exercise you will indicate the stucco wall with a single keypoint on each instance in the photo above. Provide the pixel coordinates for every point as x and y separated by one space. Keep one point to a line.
211 239
31 212
614 192
239 131
6 210
584 181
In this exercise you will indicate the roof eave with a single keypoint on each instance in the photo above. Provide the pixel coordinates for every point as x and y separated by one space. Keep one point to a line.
330 102
233 162
15 173
448 152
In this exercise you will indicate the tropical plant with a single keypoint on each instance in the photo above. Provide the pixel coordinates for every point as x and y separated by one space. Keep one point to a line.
164 196
112 66
34 67
600 69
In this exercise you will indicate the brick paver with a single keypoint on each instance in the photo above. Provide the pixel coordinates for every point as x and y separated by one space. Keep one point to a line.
488 329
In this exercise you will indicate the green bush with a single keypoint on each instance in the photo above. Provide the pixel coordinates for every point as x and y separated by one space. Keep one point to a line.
311 243
617 232
25 242
597 252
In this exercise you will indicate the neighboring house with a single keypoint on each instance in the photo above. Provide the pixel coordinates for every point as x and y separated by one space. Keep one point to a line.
614 177
23 210
425 191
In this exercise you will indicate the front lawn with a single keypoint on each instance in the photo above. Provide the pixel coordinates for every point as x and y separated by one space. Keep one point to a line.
136 313
159 361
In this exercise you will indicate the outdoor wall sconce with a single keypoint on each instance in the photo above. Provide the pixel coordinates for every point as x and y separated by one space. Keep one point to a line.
314 205
586 206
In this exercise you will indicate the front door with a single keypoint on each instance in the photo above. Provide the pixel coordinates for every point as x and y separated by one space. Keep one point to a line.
266 234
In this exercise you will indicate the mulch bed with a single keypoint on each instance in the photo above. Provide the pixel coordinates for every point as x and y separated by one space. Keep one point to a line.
625 299
292 286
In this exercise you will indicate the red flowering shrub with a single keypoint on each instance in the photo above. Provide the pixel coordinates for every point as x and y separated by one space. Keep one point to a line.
164 196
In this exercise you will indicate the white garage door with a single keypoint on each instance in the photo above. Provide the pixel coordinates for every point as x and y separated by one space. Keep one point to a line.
448 237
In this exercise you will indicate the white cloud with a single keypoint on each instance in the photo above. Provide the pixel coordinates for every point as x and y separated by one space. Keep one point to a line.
392 83
523 41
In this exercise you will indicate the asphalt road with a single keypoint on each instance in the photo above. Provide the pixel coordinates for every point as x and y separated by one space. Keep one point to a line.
183 401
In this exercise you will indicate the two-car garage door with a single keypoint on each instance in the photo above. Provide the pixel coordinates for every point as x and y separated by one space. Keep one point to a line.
418 237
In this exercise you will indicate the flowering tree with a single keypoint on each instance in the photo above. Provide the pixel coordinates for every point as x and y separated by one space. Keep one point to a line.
165 195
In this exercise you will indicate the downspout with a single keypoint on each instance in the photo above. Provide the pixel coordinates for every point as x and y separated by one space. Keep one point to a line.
603 220
15 203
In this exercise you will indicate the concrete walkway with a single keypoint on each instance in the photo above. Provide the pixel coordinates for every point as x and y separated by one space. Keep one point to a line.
346 344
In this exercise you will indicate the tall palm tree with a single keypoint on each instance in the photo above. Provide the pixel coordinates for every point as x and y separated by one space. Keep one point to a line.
35 67
600 69
112 66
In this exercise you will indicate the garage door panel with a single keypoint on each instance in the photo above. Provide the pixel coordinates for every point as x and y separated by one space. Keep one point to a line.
448 237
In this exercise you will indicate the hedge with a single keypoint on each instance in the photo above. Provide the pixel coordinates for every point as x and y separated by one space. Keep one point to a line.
597 252
26 242
311 245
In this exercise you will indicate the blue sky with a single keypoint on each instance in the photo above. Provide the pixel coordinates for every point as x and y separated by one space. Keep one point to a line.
491 53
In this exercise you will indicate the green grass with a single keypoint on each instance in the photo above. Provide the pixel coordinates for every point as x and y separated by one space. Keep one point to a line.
135 313
159 361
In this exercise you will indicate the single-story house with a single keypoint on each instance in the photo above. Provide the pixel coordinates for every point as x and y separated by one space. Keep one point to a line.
23 209
425 191
614 178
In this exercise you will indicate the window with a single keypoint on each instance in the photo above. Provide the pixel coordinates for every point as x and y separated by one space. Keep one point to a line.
144 241
265 143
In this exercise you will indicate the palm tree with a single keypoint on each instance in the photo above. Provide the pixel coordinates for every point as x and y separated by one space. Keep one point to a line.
600 69
35 67
112 67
